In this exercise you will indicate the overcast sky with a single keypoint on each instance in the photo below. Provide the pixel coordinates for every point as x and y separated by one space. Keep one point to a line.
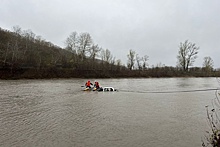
149 27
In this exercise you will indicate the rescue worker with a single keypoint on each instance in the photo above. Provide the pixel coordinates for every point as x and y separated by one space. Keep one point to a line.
96 85
88 84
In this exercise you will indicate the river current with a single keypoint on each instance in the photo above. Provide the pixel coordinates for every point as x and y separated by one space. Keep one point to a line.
142 113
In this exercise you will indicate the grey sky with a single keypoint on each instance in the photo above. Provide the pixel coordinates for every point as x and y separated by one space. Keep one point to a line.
149 27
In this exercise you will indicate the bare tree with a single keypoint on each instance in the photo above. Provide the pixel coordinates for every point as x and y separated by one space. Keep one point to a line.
131 59
84 44
208 64
17 30
138 60
12 53
118 64
187 54
15 48
112 63
29 37
145 64
108 56
102 55
94 51
6 53
71 42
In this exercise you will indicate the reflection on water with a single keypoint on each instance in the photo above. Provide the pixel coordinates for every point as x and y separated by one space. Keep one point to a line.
58 113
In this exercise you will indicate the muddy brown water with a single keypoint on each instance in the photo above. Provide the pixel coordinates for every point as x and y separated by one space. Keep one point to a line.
58 113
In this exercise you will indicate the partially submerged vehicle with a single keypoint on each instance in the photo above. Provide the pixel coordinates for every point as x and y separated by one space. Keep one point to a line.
108 89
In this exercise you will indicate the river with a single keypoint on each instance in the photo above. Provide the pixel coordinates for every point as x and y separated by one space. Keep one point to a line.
58 113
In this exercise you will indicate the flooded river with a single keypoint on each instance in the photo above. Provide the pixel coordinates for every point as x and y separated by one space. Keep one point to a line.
58 113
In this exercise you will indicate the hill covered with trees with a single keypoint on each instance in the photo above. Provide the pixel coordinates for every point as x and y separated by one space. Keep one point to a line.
24 54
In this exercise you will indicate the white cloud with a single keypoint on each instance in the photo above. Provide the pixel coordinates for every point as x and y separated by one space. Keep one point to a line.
153 28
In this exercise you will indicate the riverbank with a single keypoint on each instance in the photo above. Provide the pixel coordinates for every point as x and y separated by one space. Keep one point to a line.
48 73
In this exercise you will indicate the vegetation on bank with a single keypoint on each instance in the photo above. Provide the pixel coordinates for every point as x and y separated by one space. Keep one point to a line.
212 137
23 54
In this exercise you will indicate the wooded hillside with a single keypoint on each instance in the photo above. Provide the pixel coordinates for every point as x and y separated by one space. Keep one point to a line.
26 55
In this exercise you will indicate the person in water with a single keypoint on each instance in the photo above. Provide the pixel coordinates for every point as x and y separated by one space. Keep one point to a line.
88 84
96 85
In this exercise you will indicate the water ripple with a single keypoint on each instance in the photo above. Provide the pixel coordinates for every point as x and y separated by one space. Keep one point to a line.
57 113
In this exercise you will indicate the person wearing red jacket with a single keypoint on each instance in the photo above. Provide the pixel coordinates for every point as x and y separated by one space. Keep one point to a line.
88 84
96 85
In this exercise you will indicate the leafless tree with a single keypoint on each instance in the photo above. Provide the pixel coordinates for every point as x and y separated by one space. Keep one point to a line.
29 37
28 34
84 44
145 64
138 60
17 30
15 45
187 54
94 51
71 42
208 64
118 64
112 62
131 59
106 55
